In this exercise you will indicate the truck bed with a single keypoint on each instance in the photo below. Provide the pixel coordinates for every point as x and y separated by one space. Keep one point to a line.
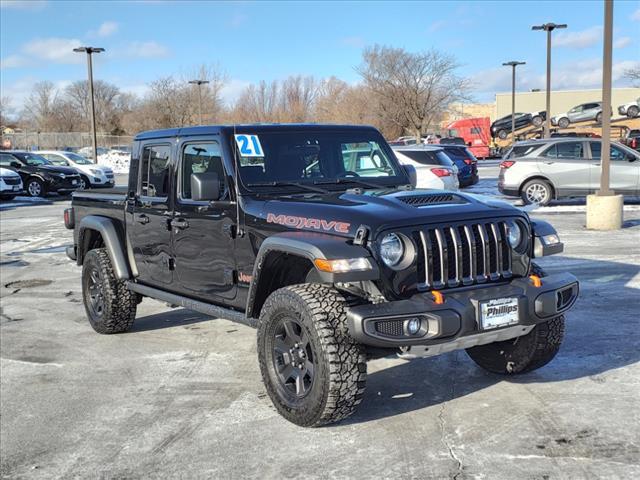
107 202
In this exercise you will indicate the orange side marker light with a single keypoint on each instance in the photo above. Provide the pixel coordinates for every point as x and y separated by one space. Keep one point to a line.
537 282
438 298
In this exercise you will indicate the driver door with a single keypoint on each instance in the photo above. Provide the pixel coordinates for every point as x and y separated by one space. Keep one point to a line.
624 169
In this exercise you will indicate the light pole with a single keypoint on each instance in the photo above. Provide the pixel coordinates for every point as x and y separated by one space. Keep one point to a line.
90 51
548 27
199 83
605 208
513 64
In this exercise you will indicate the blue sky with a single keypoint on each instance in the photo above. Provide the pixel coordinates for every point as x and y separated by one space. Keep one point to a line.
270 40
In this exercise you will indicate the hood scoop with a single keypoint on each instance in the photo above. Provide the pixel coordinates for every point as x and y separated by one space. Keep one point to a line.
432 199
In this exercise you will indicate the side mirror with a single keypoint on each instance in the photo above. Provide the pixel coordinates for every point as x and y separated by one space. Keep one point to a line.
468 144
15 164
410 170
205 186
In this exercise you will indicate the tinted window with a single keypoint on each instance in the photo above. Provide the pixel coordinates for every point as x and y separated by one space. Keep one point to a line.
457 153
476 131
565 150
6 159
425 157
55 159
154 171
615 153
521 151
200 158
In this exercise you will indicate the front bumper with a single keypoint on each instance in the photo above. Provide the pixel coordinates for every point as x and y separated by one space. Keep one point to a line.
459 316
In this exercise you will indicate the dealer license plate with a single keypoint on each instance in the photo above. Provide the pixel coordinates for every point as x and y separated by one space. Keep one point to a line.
74 182
499 313
16 188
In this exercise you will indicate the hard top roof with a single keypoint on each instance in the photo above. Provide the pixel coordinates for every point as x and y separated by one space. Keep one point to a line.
255 128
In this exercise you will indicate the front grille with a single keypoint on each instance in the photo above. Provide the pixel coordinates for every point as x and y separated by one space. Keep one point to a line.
11 180
431 199
390 328
456 255
109 174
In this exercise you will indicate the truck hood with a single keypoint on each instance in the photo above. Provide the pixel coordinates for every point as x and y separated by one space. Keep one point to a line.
56 169
343 212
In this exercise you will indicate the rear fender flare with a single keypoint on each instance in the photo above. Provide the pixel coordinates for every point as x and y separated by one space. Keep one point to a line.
113 242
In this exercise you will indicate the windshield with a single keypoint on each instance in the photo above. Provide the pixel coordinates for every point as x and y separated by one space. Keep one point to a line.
317 157
34 160
79 159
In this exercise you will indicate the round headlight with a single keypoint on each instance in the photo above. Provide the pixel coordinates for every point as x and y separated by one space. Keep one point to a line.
514 233
391 249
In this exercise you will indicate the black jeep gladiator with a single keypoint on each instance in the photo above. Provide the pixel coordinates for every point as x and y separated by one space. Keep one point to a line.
317 236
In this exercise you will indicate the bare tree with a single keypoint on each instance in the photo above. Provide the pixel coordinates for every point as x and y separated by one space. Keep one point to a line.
633 74
40 106
212 103
6 109
257 103
107 99
411 90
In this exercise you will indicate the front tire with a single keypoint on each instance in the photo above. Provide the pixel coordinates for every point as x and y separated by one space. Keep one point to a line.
84 183
563 122
632 112
537 192
110 305
503 134
35 188
314 372
522 354
537 121
599 118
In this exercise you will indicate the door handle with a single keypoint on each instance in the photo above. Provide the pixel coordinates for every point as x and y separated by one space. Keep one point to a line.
179 223
549 163
143 219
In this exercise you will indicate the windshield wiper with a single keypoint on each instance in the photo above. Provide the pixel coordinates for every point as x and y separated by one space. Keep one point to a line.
282 183
355 180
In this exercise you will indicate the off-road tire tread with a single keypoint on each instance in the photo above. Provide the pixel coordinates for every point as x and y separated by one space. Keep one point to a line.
346 358
120 302
532 351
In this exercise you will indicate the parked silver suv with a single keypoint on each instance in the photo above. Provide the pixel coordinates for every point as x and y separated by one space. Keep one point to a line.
542 170
579 113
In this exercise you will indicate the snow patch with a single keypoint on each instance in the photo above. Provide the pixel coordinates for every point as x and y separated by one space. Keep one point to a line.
118 161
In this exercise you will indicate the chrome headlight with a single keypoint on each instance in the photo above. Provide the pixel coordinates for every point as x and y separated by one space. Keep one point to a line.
391 249
515 233
397 251
95 172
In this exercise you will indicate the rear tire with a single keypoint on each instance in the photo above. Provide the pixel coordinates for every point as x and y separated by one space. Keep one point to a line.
314 372
632 112
503 134
522 354
599 118
537 121
537 192
563 122
110 305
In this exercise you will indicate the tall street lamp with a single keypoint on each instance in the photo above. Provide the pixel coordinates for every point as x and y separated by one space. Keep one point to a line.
199 83
513 64
90 51
548 27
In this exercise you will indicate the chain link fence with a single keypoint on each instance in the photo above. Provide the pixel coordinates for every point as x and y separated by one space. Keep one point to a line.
61 141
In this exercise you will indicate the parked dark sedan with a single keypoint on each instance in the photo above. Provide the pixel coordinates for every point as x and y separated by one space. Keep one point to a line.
39 176
501 128
466 162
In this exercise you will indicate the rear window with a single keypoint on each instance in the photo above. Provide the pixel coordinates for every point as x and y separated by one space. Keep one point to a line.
457 153
521 151
434 157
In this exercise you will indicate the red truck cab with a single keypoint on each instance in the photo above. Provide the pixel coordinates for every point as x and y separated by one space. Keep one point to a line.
475 132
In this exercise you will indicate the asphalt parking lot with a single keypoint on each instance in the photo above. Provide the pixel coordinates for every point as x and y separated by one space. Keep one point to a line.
181 394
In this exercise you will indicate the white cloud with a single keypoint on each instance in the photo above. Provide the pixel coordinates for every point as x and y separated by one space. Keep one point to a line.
437 25
588 74
582 39
106 29
57 50
635 16
32 5
233 89
146 50
353 41
14 61
622 42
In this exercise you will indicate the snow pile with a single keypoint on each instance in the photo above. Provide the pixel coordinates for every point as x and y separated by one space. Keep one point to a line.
118 161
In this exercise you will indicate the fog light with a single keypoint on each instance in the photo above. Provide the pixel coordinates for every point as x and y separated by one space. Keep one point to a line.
413 325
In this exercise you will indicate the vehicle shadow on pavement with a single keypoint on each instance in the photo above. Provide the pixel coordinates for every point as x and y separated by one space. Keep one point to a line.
601 336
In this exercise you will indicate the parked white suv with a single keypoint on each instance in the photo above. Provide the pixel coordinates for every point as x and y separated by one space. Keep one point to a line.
434 168
91 175
10 184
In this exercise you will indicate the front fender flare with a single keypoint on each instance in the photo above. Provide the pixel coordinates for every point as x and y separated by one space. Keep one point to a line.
540 248
113 242
312 246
